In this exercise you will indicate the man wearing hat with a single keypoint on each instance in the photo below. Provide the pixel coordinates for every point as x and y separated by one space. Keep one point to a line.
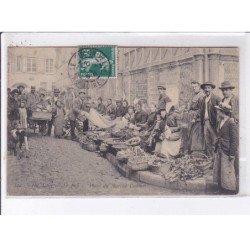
79 105
22 95
230 100
226 148
163 98
32 100
208 117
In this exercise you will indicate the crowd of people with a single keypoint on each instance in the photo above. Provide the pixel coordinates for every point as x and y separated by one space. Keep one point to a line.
206 124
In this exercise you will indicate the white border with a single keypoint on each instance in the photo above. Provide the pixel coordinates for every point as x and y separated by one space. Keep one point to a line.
170 205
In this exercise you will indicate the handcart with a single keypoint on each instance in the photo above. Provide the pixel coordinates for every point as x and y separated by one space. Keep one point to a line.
40 120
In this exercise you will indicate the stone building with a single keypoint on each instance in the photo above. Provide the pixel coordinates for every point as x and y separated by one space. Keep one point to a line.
141 70
45 68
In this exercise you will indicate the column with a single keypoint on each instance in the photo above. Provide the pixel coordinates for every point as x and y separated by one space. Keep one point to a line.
199 68
214 68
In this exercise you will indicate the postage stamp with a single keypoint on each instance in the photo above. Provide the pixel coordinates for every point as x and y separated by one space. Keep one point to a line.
97 62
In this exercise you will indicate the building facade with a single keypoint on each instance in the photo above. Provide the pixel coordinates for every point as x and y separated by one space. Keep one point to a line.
45 68
141 70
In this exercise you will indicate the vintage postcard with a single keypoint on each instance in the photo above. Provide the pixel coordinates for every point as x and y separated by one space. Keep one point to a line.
116 120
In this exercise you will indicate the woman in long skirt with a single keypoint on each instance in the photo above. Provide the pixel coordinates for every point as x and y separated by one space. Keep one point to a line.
226 146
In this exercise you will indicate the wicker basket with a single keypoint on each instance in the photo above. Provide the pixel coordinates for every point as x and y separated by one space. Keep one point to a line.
137 166
89 147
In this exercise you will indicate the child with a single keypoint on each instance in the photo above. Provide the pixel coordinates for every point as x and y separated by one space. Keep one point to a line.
59 119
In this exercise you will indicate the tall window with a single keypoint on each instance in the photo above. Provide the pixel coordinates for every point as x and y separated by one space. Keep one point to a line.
31 64
49 65
19 64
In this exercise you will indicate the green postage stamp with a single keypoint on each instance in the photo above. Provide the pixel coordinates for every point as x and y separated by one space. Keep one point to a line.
97 62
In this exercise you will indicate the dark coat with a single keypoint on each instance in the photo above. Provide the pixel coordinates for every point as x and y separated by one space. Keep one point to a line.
227 139
163 100
234 103
141 117
151 121
212 112
13 111
124 110
119 111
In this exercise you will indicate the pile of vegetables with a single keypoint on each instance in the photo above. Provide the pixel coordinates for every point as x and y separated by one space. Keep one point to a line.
187 167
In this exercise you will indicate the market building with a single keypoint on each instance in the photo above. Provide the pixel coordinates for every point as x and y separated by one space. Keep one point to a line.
141 70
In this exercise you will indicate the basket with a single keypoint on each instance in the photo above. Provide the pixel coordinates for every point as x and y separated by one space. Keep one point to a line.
36 115
137 166
89 146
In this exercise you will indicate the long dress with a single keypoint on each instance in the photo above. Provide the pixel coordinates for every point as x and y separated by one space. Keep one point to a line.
226 145
196 140
59 122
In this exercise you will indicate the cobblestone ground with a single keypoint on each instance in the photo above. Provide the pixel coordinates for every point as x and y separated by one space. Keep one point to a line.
61 167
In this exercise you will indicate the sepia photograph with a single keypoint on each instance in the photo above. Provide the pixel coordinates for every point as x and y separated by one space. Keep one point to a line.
122 121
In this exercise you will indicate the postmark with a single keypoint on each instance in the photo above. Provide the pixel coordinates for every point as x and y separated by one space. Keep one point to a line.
91 67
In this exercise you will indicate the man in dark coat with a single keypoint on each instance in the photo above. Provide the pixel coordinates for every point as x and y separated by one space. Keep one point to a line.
208 115
52 102
226 148
163 98
80 104
230 100
22 95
